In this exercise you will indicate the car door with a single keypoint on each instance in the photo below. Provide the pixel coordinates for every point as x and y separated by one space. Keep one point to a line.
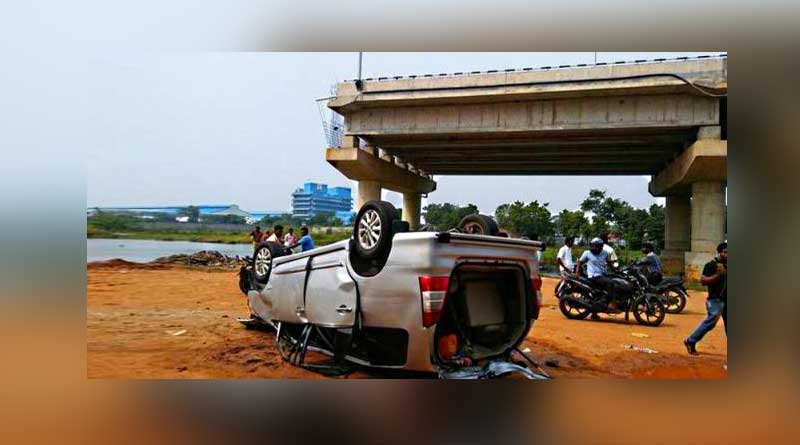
331 295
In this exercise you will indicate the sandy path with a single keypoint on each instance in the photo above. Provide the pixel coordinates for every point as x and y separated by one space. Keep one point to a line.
132 313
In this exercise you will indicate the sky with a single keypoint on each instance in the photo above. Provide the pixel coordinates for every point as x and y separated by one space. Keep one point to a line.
180 128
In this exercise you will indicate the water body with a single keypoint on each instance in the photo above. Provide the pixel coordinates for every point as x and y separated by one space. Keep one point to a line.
143 251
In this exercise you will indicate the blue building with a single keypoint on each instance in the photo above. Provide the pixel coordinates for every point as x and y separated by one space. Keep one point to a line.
314 199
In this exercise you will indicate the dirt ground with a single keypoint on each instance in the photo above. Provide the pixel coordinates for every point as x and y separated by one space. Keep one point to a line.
177 322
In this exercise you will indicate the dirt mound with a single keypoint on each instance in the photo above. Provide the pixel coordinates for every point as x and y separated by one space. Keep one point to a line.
210 258
118 263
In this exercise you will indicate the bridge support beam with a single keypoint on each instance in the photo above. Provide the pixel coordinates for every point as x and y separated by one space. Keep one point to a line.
412 203
374 173
677 234
367 191
708 225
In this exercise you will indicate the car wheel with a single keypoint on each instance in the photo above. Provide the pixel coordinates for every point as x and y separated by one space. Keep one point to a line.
262 261
372 230
478 224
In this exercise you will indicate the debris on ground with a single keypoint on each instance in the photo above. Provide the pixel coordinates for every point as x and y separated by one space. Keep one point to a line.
182 368
640 349
177 333
122 266
208 258
639 335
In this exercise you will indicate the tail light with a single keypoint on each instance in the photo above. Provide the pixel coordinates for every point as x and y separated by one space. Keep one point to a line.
433 291
536 283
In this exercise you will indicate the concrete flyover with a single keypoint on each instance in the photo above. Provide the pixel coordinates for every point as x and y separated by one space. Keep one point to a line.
663 118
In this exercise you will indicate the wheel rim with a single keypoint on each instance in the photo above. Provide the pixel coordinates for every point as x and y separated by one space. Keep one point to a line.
472 227
263 262
369 229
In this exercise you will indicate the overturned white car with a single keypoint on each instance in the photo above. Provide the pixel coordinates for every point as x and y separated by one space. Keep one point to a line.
454 303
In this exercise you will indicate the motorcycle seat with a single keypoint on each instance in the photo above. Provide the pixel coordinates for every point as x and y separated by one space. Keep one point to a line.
671 281
667 284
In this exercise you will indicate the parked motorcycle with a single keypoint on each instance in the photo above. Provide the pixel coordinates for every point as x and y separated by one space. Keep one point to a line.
672 289
579 297
674 293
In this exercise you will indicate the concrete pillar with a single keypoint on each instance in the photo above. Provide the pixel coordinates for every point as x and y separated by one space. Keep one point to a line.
411 209
367 191
350 142
708 225
677 233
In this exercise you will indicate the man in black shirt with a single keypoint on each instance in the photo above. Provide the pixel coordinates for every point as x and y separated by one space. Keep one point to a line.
715 277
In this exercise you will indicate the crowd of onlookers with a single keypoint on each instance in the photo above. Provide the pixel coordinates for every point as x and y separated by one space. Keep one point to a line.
288 240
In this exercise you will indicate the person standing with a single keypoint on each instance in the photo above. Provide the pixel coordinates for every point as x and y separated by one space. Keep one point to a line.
564 256
277 235
256 236
289 240
305 242
715 277
609 250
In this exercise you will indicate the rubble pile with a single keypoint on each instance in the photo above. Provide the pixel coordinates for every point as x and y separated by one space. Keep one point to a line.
209 258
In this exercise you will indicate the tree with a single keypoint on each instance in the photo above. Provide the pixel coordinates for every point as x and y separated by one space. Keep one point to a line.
447 216
635 226
654 227
572 223
531 220
224 219
326 219
192 212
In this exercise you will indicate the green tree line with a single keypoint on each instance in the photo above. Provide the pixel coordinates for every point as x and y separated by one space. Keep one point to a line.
535 220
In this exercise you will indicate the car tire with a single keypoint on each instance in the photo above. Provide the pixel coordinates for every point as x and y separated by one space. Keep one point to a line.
262 261
478 224
372 229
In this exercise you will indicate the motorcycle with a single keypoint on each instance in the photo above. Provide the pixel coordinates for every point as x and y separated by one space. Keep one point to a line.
579 297
674 294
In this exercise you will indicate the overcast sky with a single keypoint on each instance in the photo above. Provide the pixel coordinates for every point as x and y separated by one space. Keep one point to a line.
244 128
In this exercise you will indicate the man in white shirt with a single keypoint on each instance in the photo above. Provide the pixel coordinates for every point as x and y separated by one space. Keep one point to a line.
597 263
564 256
277 235
612 256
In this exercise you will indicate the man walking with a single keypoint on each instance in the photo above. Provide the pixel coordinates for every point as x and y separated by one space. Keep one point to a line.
715 277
